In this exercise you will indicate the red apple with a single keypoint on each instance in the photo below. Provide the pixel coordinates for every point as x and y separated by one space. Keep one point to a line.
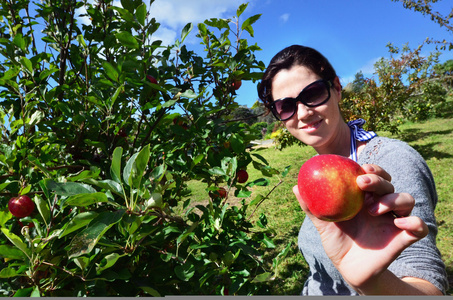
242 176
221 193
151 79
327 185
236 84
21 206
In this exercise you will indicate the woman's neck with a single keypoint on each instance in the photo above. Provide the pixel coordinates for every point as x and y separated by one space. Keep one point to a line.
340 143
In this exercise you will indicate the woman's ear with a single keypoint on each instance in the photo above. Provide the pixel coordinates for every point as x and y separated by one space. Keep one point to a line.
337 86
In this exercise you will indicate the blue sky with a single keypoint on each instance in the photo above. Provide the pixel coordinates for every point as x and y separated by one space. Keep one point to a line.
352 34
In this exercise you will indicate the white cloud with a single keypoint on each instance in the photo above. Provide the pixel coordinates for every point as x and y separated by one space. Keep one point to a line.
368 68
177 13
284 18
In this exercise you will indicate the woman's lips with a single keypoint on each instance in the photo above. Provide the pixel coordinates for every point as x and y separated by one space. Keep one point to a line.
312 126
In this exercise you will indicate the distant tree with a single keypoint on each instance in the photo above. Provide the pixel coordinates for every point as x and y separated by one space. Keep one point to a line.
244 114
446 70
262 112
359 82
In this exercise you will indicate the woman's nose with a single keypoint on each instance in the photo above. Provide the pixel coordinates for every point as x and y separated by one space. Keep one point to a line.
302 111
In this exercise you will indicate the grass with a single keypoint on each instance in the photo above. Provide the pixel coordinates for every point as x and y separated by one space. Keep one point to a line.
433 139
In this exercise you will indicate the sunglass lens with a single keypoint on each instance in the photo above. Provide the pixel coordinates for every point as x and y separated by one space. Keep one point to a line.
316 94
285 108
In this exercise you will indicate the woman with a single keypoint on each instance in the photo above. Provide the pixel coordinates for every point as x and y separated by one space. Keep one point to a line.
375 252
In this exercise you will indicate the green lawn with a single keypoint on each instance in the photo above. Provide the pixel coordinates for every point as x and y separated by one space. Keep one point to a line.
433 139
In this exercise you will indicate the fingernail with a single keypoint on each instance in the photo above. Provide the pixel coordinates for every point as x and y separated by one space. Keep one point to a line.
400 221
370 168
365 179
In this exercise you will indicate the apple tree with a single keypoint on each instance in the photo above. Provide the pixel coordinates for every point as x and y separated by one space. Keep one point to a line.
407 87
103 127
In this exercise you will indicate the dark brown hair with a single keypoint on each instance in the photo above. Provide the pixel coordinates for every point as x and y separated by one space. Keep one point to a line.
294 55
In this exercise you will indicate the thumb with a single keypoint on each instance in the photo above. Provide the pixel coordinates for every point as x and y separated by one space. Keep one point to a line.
302 203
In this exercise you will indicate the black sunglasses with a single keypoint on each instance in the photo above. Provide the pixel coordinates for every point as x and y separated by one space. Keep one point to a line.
314 94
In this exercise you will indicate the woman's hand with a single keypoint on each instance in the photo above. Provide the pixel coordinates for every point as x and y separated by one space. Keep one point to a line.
363 247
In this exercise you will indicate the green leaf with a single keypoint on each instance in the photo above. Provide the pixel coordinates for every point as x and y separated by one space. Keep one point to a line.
82 262
140 14
111 71
259 182
8 273
8 251
115 168
112 100
35 292
257 199
260 157
150 291
197 159
189 94
25 292
5 215
241 9
268 242
79 221
87 239
286 171
247 24
36 117
127 40
127 171
43 208
27 64
19 41
217 171
278 259
108 185
68 188
202 29
84 200
185 31
135 167
107 262
263 277
4 185
17 241
185 271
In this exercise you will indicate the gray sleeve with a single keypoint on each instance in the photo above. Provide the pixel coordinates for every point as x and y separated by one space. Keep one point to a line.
410 174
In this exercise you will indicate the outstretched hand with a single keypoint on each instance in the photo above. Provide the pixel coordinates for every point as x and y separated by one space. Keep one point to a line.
363 247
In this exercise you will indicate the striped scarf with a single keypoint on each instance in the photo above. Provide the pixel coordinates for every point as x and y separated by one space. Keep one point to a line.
358 134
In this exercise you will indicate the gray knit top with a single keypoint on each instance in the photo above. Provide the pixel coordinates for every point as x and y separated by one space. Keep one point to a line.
410 174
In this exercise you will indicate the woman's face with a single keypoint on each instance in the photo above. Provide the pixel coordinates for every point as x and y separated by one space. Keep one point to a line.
314 126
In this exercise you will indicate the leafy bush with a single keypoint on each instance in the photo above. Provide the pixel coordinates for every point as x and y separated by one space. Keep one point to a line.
103 129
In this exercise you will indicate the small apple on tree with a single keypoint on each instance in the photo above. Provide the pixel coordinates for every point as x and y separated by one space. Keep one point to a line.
221 193
327 185
236 84
21 206
151 79
242 176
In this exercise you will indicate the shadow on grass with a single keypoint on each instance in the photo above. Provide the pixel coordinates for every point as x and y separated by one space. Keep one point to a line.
427 151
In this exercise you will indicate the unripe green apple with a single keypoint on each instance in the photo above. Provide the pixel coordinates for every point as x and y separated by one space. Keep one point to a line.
327 185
